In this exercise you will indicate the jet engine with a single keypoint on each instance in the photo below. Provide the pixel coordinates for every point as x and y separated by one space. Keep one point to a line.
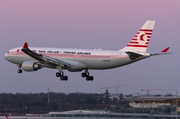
30 66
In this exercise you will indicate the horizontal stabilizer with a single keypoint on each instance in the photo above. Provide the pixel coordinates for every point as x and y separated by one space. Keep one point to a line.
163 52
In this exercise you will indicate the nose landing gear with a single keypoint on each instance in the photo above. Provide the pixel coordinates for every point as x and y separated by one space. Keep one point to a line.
19 70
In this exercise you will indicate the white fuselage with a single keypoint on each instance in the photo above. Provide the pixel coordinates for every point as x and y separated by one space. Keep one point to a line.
80 59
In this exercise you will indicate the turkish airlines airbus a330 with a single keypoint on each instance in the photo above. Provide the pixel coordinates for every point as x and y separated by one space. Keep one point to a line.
34 58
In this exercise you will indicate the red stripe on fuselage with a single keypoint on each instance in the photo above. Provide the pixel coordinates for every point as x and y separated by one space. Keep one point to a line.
77 56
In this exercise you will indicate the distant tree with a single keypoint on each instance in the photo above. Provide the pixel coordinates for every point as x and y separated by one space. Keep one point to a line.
91 101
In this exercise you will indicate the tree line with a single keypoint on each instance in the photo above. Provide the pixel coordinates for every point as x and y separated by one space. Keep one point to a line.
37 103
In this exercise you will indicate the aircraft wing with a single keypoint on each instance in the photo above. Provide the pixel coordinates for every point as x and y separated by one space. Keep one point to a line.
43 58
164 52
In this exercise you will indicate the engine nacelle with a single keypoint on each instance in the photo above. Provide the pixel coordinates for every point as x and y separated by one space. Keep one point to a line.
30 66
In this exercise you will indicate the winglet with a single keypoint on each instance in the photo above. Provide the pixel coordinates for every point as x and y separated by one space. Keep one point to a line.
25 45
165 50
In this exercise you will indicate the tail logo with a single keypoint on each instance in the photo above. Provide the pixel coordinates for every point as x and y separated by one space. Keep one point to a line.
142 38
140 41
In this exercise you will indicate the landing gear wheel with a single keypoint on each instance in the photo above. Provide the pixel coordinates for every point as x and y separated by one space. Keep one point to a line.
87 78
19 71
62 78
58 74
91 78
83 74
87 73
65 78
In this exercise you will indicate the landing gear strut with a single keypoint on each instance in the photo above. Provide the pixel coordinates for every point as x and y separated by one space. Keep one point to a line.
61 75
86 74
19 70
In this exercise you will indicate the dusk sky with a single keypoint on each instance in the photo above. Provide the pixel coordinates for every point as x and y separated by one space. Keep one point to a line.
90 24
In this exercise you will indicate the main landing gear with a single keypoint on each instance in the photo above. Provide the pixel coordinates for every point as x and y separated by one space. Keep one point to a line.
19 70
86 74
61 75
65 78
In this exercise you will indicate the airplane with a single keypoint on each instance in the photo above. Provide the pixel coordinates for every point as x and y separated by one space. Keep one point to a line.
74 60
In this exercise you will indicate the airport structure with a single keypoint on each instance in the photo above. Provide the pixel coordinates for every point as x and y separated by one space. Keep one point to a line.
148 107
136 106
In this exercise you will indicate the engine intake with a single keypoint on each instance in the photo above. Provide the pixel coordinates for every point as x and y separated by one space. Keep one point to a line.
30 66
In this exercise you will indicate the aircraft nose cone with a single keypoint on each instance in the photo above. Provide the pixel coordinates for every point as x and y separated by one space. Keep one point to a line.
6 56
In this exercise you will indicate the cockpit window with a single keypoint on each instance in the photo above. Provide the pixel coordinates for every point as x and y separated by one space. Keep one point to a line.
8 52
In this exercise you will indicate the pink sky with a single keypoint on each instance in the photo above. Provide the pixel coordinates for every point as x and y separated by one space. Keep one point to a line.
106 24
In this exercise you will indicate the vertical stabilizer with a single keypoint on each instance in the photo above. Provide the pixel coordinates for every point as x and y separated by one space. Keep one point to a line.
140 41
